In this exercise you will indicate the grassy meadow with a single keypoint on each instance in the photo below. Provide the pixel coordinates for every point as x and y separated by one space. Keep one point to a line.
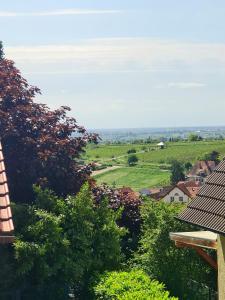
152 168
135 177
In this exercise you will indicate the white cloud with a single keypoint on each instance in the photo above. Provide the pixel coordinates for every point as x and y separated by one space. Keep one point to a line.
120 55
186 85
62 12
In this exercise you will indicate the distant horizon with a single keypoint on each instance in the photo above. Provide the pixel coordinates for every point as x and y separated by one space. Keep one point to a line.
163 127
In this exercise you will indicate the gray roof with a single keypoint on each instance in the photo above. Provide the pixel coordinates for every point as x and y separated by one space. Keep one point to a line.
208 209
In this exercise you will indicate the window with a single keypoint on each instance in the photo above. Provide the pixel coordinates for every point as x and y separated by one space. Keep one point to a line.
171 199
181 199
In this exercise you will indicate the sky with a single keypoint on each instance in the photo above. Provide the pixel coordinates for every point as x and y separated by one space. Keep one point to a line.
122 64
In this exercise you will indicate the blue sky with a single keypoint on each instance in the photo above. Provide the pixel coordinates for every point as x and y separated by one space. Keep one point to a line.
121 64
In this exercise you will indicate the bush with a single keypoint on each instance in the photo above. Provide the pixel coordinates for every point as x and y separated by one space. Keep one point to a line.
131 151
63 244
132 160
130 286
162 260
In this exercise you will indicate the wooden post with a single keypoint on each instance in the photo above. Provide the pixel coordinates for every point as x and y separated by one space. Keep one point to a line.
221 266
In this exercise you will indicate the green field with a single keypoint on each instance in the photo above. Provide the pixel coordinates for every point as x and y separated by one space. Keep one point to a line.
149 170
183 151
135 177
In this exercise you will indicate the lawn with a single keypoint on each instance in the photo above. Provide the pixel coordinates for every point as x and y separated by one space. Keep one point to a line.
135 177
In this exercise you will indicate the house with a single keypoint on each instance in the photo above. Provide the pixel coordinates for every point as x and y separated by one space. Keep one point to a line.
179 193
176 194
6 222
207 211
193 187
161 145
201 170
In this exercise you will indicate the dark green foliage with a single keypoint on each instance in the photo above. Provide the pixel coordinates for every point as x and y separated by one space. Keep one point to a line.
131 151
132 285
129 203
61 245
132 160
159 257
214 156
2 54
194 137
187 166
177 172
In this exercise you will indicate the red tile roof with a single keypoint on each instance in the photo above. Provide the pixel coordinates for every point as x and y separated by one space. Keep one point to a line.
6 223
167 189
202 168
207 210
192 187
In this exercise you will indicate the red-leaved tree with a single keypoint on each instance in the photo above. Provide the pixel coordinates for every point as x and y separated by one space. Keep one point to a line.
41 146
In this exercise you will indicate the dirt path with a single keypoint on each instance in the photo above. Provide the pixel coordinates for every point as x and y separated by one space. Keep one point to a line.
124 155
98 172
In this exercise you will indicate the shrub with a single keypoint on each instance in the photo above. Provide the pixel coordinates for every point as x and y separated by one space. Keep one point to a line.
130 286
132 160
63 244
162 260
131 151
129 202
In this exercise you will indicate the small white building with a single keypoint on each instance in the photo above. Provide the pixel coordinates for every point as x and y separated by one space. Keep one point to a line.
161 145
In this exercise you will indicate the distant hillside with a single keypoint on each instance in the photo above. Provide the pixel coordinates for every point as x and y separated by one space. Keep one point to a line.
131 134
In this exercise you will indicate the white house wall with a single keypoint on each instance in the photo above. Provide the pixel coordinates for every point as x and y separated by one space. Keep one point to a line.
176 193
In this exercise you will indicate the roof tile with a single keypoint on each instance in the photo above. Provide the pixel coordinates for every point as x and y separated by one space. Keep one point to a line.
6 223
208 208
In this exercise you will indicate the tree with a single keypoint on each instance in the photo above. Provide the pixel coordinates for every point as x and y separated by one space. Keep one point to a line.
194 137
62 245
131 151
177 173
41 146
129 203
187 166
214 156
132 160
159 257
1 51
135 284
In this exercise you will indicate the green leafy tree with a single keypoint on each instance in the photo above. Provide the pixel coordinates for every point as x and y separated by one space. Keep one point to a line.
135 284
131 151
194 137
177 172
61 245
132 160
187 166
2 54
214 156
159 257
